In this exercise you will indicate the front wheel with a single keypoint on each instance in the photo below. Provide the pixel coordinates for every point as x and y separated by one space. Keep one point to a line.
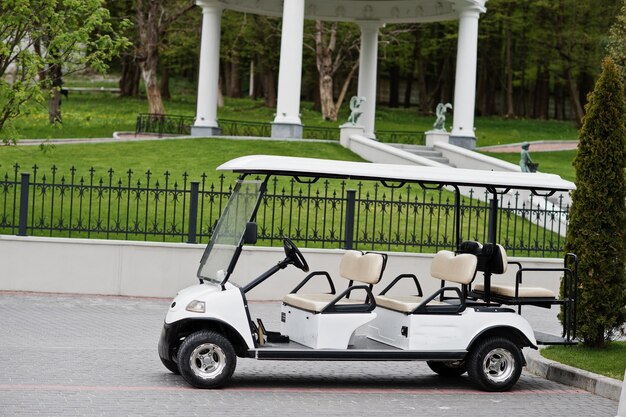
495 364
447 368
206 359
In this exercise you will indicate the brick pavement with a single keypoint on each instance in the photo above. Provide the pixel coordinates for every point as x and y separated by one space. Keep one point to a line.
89 355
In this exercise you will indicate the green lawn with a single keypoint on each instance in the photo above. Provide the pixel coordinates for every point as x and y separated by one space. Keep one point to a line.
194 156
555 162
90 115
609 362
431 220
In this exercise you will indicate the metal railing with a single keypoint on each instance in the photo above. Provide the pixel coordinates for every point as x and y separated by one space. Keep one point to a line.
163 124
230 127
399 136
177 208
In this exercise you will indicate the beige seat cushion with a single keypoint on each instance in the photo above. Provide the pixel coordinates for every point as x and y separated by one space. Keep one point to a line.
401 303
448 267
509 291
404 304
315 302
362 267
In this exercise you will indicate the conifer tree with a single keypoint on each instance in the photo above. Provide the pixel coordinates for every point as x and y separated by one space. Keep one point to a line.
597 225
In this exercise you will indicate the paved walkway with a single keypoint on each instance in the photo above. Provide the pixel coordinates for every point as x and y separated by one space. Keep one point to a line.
89 355
537 146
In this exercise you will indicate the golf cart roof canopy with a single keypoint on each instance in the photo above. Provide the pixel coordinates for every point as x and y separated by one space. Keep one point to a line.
324 168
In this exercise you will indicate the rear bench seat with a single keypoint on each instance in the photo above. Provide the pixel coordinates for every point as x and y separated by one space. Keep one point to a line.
498 264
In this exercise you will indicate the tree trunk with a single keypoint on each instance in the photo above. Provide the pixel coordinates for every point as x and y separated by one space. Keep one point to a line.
542 93
394 86
148 51
269 88
165 84
510 110
54 103
409 79
408 91
131 74
424 104
54 107
149 73
329 112
234 80
573 95
346 85
325 68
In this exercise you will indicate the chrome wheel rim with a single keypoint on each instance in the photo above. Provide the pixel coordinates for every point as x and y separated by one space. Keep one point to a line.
498 365
207 360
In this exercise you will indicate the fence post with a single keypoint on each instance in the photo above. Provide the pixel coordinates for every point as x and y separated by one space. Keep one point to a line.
193 212
349 229
23 220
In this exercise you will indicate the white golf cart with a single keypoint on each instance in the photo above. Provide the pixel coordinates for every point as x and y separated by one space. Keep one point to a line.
461 327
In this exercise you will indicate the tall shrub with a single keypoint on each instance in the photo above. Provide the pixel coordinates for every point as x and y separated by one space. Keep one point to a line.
598 215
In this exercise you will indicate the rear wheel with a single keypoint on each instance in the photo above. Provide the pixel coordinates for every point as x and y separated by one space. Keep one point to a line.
495 364
448 368
206 359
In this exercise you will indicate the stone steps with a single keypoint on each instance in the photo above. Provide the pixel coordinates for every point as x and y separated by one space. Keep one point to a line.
424 151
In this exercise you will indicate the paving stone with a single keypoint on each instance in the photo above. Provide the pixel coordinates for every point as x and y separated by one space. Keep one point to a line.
96 356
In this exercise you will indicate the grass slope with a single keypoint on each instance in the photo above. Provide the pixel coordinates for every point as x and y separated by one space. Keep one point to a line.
608 362
194 156
555 162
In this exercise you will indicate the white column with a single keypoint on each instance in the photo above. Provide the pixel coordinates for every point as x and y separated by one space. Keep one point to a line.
208 76
465 84
368 62
287 121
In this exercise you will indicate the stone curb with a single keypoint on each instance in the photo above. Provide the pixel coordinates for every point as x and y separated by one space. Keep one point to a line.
568 375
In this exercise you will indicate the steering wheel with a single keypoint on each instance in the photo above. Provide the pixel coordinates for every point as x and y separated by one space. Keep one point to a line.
294 256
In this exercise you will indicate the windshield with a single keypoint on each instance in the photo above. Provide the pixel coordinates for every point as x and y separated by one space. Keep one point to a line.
215 265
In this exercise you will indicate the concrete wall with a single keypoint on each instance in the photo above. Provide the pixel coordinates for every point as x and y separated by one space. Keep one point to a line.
150 269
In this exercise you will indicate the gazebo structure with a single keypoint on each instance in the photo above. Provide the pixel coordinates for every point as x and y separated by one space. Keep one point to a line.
370 15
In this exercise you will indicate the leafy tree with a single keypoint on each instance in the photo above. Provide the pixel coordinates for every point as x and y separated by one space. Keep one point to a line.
153 17
597 228
40 39
617 40
334 44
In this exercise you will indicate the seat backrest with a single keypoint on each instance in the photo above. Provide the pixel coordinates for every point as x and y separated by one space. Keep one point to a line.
448 267
491 257
496 260
363 267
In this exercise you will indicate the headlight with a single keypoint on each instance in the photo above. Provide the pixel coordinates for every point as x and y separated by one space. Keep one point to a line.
196 306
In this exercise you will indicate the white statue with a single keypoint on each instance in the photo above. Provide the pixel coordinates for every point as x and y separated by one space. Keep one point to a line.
355 109
440 123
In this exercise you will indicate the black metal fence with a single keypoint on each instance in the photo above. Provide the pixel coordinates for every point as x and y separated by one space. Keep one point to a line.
162 124
177 208
399 136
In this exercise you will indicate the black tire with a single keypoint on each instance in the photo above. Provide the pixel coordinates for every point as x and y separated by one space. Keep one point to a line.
171 366
495 364
206 359
448 368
